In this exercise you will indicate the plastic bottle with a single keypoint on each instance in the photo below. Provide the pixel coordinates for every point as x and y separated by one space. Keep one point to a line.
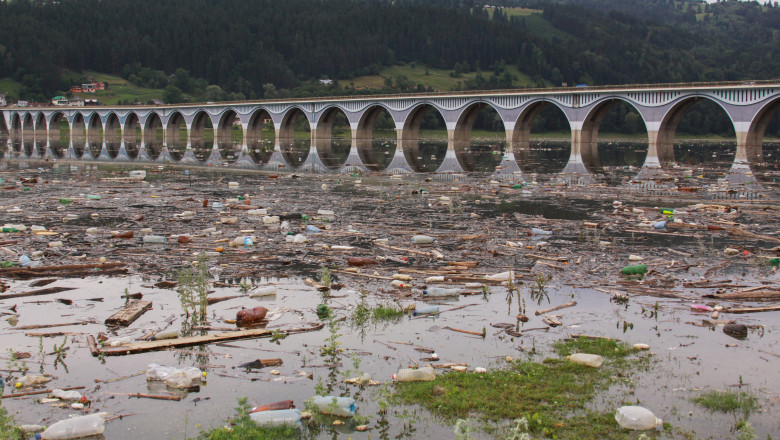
435 279
249 316
434 291
701 308
423 374
269 220
92 231
337 406
636 418
154 239
116 342
400 284
501 276
537 231
217 206
427 310
55 244
94 197
590 360
264 291
30 429
422 239
34 379
76 427
24 261
290 417
659 226
361 261
66 395
638 269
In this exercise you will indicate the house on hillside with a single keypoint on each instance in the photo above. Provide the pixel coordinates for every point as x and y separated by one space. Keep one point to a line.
76 101
59 100
326 82
88 87
75 89
21 103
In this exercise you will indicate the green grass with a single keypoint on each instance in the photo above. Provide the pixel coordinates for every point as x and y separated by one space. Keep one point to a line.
552 394
515 12
8 428
120 90
438 79
10 88
728 401
242 427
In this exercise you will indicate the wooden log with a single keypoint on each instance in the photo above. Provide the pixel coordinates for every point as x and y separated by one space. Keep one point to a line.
754 295
544 257
144 346
217 299
148 396
129 313
32 393
552 309
262 363
93 348
46 291
411 251
751 309
480 334
314 283
64 324
552 322
744 233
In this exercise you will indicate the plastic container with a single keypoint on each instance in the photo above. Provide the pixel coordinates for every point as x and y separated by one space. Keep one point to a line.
502 276
24 261
66 395
34 379
337 406
427 310
264 291
249 316
154 239
400 284
659 226
434 292
590 360
422 239
638 269
174 377
76 427
423 374
537 231
313 229
636 418
281 417
94 197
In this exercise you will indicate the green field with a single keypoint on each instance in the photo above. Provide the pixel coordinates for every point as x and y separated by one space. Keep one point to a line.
120 90
439 79
9 87
515 12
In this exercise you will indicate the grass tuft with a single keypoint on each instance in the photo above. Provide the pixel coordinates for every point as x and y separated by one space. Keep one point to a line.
728 401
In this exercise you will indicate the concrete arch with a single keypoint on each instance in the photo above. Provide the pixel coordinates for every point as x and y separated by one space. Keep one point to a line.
94 126
15 129
151 126
40 125
224 127
132 122
4 131
258 118
199 122
78 126
411 125
28 125
667 128
462 131
365 126
287 128
172 129
521 134
54 121
754 138
324 124
585 140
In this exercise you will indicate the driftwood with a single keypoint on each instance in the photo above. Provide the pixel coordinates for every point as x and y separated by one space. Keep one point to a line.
314 283
480 334
217 299
129 313
32 393
144 346
65 270
552 322
148 396
64 324
752 309
46 291
749 295
744 233
544 257
399 249
552 309
262 363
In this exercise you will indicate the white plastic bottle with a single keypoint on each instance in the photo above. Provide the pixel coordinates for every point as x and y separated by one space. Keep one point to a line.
636 418
434 291
279 417
264 291
419 375
422 239
590 360
76 427
337 406
154 239
66 395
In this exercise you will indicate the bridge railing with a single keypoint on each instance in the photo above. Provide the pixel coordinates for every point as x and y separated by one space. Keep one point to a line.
578 89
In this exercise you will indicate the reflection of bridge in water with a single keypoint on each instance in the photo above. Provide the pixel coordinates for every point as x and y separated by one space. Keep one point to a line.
180 133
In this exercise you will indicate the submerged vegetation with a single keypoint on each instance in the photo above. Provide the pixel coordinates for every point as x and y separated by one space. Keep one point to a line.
740 403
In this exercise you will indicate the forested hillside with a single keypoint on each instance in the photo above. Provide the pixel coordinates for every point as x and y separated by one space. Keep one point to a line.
262 48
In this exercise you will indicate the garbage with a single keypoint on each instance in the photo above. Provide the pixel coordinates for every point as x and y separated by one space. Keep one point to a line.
182 378
426 310
313 229
423 374
280 417
738 331
434 292
284 404
590 360
538 231
636 418
264 291
639 269
501 276
337 406
422 239
149 239
251 316
76 427
66 395
33 379
361 261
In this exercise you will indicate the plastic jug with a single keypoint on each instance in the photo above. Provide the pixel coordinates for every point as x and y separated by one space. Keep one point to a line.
337 406
427 310
422 239
433 292
423 374
636 418
76 427
290 417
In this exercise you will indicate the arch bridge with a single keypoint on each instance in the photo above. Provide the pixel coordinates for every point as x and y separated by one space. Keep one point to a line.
170 132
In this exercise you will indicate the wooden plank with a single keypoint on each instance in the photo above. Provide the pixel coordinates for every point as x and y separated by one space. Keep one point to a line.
129 313
140 347
46 291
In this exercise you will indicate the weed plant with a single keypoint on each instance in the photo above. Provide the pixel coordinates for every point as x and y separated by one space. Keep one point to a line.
193 289
242 428
739 403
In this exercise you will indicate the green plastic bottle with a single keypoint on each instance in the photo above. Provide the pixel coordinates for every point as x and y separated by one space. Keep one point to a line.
639 269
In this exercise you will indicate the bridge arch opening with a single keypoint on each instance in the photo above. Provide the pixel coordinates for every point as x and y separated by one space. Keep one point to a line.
59 134
113 135
78 135
333 138
763 144
28 128
154 136
132 135
613 140
4 137
94 135
201 136
295 137
699 134
176 136
16 126
424 139
40 126
230 136
4 128
376 138
480 138
541 139
260 136
28 147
